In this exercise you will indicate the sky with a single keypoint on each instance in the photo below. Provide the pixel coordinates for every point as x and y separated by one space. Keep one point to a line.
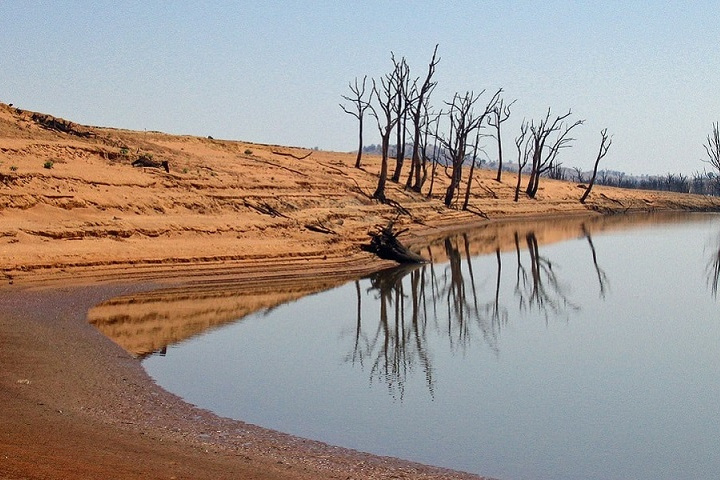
274 72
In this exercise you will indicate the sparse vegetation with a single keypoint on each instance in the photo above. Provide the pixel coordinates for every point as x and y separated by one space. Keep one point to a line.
49 164
248 151
13 168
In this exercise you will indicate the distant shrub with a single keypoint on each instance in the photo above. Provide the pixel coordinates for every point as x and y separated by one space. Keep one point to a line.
248 152
49 164
13 168
124 151
185 170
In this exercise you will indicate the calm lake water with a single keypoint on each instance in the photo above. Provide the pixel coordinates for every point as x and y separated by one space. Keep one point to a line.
593 357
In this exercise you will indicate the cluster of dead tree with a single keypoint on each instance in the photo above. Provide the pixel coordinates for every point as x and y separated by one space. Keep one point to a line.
451 138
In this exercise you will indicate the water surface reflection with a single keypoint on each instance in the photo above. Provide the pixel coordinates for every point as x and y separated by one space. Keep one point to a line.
451 297
575 348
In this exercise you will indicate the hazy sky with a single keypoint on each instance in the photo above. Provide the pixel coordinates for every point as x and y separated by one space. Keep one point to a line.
273 72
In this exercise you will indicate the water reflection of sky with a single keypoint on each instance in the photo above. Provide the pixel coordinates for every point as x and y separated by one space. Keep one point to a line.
607 369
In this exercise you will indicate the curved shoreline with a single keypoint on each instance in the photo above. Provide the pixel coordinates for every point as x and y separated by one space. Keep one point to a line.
56 392
75 405
66 385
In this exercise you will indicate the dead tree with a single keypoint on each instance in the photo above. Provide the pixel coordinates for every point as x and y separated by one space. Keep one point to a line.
435 152
523 149
605 143
385 244
472 169
601 275
463 122
500 113
544 150
146 160
712 148
360 105
419 108
385 94
402 100
426 153
579 174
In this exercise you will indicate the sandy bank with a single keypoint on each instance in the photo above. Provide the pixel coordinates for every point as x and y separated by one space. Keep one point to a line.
256 217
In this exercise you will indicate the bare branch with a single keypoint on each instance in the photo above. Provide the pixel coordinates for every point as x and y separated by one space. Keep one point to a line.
605 143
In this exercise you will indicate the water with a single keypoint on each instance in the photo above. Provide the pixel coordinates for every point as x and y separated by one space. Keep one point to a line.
595 356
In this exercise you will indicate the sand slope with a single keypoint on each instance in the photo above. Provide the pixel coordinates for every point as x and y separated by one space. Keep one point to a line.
251 217
222 201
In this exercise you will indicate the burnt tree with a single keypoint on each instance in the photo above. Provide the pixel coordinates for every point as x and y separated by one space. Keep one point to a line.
500 113
401 105
359 107
463 123
605 143
385 94
523 148
419 113
546 149
712 148
473 161
434 153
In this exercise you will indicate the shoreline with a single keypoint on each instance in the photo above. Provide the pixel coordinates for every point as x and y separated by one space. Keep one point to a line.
56 392
57 367
238 214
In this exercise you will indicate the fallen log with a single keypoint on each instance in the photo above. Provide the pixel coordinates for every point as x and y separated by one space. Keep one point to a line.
320 228
265 209
385 244
146 161
287 154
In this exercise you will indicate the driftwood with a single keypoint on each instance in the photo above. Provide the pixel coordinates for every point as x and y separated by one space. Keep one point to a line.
280 166
320 228
265 209
145 161
385 244
287 154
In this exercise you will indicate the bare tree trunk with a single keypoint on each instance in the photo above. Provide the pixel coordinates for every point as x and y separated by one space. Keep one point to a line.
386 94
523 153
361 105
420 115
402 72
517 186
472 170
605 143
501 113
544 154
463 121
382 180
498 178
360 144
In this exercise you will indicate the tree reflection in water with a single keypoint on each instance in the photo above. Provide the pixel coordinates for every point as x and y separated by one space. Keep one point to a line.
411 299
712 270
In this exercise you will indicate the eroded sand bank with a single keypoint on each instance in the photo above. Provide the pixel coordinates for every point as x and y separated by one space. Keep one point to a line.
93 228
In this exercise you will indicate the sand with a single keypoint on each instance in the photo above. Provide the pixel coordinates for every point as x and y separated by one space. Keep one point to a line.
241 217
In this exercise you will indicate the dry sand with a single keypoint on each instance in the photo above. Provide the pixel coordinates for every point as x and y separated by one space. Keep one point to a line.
242 217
